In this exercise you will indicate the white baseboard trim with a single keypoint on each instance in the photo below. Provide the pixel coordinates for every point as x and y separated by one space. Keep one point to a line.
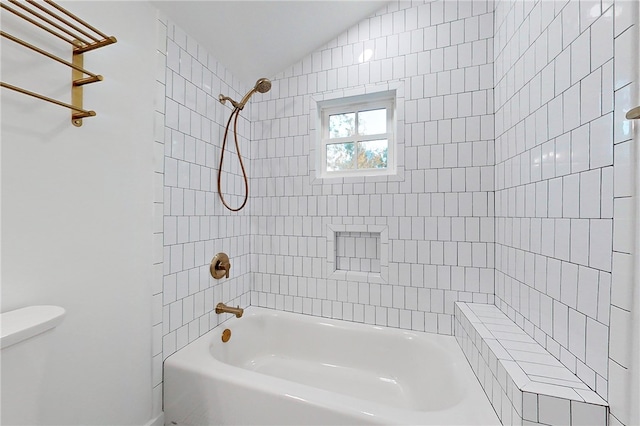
158 421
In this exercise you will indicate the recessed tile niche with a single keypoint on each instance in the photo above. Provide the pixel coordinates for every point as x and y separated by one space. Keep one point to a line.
357 252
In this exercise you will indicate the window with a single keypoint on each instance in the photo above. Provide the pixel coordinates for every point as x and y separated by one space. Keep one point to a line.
357 136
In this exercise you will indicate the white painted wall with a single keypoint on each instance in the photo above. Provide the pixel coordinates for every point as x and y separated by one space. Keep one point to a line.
77 221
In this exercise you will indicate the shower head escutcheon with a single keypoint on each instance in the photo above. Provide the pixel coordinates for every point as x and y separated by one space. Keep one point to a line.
263 85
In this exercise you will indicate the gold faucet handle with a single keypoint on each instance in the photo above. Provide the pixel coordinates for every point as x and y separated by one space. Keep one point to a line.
220 266
224 266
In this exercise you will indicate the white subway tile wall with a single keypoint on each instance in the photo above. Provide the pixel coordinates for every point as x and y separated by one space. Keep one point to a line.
438 210
158 218
626 36
191 225
562 155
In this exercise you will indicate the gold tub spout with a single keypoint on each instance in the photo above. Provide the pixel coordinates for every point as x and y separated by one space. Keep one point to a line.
222 308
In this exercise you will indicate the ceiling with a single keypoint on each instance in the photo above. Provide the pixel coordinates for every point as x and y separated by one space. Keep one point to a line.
256 39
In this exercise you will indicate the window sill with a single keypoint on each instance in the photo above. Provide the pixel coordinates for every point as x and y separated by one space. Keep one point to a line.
398 176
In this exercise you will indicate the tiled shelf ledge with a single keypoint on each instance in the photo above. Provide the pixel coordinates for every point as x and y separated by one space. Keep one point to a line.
525 384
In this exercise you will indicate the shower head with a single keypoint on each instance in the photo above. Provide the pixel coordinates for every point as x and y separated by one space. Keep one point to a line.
263 85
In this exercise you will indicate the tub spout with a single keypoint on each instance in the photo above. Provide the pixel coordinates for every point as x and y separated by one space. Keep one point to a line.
222 308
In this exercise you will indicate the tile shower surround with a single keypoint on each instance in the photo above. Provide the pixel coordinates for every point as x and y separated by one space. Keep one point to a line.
438 210
444 59
560 164
191 223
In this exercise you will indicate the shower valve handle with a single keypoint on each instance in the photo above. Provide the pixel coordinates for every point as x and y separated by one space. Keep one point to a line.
224 267
220 266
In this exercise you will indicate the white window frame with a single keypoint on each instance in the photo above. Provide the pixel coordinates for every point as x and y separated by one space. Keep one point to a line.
357 104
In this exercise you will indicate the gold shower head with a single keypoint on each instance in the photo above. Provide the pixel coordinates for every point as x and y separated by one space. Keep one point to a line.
263 85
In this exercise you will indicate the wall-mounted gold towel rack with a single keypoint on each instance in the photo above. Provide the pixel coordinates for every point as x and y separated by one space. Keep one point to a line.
59 22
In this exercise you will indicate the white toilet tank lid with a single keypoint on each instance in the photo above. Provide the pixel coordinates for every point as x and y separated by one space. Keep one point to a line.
23 323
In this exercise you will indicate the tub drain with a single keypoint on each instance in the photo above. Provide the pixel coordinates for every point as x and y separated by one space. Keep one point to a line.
226 335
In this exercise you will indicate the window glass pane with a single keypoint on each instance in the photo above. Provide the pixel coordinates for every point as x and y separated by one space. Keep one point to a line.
342 125
373 154
340 156
372 122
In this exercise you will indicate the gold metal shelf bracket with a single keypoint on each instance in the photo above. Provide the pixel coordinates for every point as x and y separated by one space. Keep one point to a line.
73 30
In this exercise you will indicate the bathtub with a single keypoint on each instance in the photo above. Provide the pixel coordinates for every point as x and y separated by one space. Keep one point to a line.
280 368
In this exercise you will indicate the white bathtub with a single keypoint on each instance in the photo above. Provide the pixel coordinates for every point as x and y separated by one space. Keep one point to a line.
281 368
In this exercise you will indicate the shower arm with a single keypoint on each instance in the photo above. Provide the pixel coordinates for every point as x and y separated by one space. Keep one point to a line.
240 105
222 98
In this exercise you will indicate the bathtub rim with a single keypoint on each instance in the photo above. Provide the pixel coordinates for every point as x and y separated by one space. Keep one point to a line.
196 358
